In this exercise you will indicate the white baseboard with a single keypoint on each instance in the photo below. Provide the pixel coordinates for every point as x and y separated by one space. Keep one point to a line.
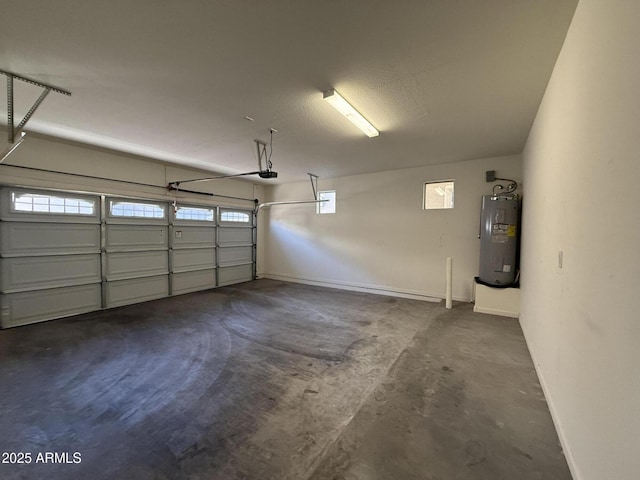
356 287
573 467
494 311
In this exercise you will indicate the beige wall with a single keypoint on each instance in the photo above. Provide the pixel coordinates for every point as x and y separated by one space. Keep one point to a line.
380 239
581 168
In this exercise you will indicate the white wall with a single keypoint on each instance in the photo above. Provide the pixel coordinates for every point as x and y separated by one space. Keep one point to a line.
50 154
380 238
582 168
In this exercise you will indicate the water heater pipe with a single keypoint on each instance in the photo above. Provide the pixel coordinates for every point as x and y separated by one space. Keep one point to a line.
448 299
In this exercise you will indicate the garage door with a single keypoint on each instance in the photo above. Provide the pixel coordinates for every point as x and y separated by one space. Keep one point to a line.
49 255
65 253
136 251
192 248
236 246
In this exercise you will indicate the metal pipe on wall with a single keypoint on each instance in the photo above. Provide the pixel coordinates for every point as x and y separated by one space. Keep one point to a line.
449 288
292 202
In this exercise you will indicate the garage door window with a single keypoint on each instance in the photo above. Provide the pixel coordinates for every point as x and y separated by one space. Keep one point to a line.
194 213
55 204
136 209
234 216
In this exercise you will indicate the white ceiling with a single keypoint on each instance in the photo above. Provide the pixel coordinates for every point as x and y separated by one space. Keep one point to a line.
442 80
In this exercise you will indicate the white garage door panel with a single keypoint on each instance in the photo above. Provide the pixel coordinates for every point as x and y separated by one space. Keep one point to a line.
125 292
124 265
193 259
237 274
193 281
61 254
29 307
234 255
29 273
21 238
193 237
238 235
136 237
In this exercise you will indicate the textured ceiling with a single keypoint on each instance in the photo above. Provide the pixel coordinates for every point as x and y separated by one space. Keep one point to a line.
442 80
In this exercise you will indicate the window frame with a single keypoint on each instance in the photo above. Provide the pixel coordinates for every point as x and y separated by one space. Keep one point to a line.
161 205
211 220
425 195
239 211
333 202
14 195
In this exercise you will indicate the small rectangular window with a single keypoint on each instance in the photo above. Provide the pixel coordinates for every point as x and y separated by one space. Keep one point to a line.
234 216
438 195
55 204
194 213
130 209
329 205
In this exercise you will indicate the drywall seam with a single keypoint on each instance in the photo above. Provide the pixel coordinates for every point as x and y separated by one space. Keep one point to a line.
573 467
358 287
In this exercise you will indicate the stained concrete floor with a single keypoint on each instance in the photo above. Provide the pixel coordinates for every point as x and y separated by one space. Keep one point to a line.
272 380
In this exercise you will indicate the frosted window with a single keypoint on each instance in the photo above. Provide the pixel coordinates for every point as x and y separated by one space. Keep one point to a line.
328 206
38 203
136 209
438 195
234 216
193 213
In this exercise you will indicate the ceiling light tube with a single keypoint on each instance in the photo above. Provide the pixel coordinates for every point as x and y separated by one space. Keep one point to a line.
345 108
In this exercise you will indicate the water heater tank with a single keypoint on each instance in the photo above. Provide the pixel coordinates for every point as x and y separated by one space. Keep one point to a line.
499 239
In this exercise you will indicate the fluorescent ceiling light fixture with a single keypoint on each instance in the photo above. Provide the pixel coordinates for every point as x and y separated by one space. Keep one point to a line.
345 108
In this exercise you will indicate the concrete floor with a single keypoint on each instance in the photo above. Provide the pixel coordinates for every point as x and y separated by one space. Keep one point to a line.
272 380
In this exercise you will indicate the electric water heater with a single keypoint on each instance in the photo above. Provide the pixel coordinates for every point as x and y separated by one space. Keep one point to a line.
499 239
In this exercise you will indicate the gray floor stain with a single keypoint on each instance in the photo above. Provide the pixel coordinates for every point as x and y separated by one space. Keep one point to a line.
272 380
